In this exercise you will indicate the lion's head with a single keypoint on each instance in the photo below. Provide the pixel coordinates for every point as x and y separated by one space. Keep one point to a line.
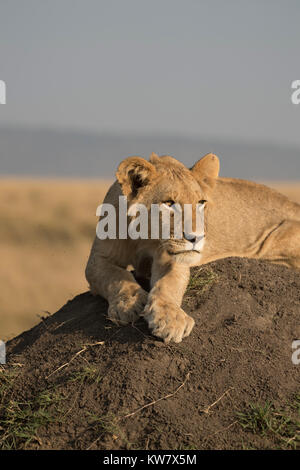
166 182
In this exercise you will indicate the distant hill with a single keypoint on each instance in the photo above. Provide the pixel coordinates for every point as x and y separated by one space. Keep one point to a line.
73 154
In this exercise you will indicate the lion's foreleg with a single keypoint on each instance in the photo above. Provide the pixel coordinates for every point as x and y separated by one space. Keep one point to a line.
125 296
163 311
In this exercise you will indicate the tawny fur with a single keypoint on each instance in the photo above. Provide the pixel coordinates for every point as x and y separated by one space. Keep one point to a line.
242 219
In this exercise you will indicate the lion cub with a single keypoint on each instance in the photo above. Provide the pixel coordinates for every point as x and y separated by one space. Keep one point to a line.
241 218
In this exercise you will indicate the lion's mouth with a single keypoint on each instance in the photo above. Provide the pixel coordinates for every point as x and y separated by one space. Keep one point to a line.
182 252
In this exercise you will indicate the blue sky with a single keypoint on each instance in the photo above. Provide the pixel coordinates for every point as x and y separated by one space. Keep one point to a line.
191 67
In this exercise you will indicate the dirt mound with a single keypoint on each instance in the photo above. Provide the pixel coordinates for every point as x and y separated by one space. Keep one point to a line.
77 381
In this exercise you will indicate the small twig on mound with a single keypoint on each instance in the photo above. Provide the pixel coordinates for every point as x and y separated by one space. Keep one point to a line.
145 406
12 364
140 331
67 363
156 401
63 323
206 410
74 357
221 430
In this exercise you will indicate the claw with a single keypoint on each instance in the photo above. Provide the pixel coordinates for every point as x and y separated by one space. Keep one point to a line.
168 322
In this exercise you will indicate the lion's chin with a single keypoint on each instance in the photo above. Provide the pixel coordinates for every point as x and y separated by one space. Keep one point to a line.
189 257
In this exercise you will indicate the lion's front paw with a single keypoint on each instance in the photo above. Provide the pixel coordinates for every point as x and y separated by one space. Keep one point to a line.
168 321
127 307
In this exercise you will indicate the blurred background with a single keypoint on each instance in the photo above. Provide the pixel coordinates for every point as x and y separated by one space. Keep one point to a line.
90 82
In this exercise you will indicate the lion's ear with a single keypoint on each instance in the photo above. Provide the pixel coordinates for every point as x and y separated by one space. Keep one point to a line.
134 173
206 170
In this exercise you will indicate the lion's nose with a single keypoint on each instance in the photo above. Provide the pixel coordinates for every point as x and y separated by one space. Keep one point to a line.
190 237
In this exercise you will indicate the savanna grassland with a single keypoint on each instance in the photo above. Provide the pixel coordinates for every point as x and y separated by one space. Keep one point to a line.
46 230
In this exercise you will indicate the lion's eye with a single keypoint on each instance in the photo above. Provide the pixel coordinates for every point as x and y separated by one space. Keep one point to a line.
203 201
169 202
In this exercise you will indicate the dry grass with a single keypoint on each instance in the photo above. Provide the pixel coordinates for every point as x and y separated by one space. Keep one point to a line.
46 231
